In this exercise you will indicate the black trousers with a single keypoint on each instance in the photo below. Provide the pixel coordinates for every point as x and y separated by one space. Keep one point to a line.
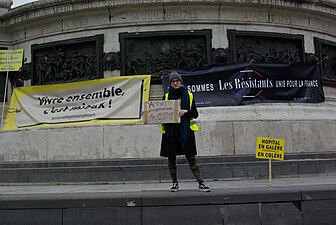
193 166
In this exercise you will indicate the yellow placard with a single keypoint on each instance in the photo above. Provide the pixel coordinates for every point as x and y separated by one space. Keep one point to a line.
11 60
270 148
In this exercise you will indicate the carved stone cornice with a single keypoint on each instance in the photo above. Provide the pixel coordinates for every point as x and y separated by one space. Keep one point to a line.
6 4
43 8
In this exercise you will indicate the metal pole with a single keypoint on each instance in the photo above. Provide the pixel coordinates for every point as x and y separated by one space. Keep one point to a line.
270 173
4 100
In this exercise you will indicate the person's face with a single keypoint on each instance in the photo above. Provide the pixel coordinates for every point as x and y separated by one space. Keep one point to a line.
175 83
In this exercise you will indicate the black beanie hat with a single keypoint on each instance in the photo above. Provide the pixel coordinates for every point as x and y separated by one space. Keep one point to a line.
175 75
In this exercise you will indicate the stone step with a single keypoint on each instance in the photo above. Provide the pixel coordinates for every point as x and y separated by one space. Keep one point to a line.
155 170
155 161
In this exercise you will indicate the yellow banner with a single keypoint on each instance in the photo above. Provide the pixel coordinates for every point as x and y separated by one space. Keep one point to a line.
270 148
11 60
110 100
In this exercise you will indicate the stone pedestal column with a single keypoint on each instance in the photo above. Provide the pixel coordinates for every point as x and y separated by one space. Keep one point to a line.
5 6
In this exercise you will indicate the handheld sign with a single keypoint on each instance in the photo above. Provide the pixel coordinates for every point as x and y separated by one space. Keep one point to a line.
161 111
270 148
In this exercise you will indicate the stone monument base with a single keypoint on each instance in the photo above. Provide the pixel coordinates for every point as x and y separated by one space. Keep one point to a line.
224 131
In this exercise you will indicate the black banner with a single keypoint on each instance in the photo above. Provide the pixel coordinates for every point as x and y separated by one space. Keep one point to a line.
248 83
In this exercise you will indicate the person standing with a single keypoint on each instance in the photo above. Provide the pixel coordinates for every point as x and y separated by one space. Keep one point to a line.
179 138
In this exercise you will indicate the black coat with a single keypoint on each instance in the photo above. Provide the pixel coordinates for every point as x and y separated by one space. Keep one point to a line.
171 146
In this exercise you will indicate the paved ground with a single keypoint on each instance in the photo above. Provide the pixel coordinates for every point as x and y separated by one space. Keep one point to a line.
292 201
185 185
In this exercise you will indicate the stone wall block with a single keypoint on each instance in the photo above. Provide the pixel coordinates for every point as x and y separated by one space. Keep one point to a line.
245 13
194 12
84 20
25 145
323 23
47 26
72 143
215 138
314 136
132 141
246 133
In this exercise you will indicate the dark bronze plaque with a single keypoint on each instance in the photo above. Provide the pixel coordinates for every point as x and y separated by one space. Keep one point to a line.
68 60
249 46
326 52
154 52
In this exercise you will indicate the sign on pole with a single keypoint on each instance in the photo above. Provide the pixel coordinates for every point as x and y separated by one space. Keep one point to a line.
270 148
10 60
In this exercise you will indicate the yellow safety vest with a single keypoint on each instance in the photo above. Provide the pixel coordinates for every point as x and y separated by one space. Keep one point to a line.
193 125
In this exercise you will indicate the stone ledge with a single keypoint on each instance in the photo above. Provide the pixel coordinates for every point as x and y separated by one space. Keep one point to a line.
270 112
